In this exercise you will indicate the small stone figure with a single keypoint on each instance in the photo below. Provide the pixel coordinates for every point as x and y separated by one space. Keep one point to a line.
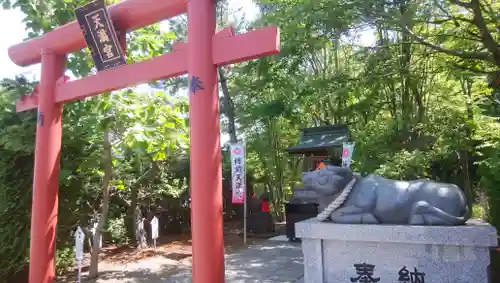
350 199
365 273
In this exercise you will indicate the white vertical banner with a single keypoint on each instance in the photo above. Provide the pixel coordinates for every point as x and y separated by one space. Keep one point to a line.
347 150
238 172
79 238
239 181
154 230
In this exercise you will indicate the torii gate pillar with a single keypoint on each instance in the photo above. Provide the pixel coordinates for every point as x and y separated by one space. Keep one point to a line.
205 159
46 171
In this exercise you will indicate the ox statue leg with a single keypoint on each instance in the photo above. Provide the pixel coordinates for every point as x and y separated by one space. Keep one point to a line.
353 215
422 213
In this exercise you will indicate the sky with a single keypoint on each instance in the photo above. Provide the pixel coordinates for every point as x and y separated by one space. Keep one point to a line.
12 30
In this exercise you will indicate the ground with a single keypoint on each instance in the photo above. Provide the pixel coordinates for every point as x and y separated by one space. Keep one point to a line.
260 261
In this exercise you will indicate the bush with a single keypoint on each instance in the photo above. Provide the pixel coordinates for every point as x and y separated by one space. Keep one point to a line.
117 230
65 259
15 200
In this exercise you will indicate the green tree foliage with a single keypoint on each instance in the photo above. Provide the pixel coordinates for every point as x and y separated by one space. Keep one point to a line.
17 166
415 99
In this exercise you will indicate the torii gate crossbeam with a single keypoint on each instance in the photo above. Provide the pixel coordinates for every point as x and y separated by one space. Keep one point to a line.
199 58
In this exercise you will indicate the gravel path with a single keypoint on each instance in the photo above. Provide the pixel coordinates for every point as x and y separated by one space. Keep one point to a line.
267 262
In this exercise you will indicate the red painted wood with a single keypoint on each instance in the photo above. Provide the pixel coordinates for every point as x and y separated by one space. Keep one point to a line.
122 39
233 49
226 32
169 65
253 44
205 153
126 15
27 102
46 176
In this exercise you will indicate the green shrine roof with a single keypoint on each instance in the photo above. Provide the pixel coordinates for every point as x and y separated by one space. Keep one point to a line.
321 138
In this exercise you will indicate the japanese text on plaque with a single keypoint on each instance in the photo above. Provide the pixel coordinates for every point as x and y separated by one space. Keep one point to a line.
101 32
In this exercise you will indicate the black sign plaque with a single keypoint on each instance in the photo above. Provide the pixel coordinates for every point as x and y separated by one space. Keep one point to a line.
100 35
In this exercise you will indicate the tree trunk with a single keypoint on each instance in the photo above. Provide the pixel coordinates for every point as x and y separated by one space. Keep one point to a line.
382 87
134 195
405 61
466 85
131 215
108 172
140 233
228 106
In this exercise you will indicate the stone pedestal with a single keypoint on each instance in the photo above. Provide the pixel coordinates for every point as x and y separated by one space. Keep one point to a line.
340 253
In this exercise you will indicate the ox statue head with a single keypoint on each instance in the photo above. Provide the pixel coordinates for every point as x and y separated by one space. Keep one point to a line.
327 181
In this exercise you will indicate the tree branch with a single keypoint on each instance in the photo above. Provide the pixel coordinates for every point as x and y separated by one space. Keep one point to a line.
488 40
459 37
461 4
473 70
464 55
494 99
494 19
439 21
455 19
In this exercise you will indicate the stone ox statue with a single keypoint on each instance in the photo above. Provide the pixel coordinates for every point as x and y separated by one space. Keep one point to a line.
350 199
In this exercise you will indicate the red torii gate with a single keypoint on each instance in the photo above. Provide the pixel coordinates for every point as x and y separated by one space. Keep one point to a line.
199 58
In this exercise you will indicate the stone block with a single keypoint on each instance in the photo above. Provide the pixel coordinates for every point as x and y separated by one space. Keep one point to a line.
338 253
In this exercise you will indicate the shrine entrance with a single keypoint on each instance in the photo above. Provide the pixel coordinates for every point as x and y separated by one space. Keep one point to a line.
199 57
320 144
